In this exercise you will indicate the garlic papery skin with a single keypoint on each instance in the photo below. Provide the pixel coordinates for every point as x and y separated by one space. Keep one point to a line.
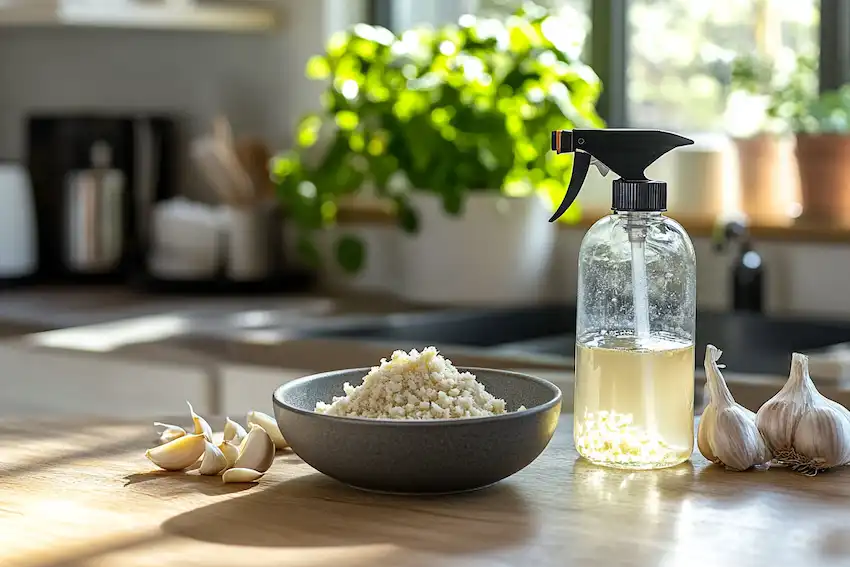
179 454
809 432
214 460
241 475
201 425
170 432
257 451
230 452
234 432
269 424
727 430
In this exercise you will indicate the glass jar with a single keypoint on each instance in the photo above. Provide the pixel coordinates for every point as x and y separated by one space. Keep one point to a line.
634 380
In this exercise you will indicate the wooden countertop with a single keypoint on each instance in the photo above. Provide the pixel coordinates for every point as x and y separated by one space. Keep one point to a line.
81 494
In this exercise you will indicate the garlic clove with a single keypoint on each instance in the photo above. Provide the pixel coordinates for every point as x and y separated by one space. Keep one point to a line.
738 443
201 425
707 422
233 431
241 475
214 460
179 454
257 452
169 432
269 424
728 433
230 452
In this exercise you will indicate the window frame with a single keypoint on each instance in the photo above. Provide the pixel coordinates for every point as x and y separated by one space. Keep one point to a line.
609 48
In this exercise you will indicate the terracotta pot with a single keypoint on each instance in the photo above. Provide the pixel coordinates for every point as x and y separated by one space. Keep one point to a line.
823 161
759 176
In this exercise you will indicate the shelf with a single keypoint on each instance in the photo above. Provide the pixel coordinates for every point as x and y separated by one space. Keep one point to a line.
359 213
218 17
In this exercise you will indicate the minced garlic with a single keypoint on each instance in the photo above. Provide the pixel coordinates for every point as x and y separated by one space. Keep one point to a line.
415 385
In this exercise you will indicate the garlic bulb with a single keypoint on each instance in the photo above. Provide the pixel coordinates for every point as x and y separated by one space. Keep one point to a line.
803 429
727 430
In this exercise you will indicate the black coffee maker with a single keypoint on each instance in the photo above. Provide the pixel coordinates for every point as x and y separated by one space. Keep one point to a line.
95 179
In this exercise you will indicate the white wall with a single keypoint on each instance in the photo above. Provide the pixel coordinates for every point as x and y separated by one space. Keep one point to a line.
258 80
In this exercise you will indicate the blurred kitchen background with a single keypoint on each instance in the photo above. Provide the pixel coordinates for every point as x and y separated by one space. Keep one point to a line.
205 198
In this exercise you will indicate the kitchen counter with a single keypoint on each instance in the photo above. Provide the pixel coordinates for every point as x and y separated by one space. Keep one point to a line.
80 492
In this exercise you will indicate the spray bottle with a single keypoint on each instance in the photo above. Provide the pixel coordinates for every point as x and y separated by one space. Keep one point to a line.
636 312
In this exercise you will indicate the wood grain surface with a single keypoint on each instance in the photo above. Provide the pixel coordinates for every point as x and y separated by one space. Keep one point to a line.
81 494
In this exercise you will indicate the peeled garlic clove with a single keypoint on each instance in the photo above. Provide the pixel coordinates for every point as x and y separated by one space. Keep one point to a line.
241 475
257 452
268 423
233 431
230 452
179 454
201 425
170 432
728 434
214 460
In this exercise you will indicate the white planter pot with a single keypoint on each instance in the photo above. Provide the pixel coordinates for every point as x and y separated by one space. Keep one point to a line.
497 252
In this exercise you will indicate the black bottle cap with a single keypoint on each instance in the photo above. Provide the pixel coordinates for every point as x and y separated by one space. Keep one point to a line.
647 196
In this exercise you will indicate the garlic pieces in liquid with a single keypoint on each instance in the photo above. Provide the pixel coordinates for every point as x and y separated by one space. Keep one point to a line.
805 430
727 430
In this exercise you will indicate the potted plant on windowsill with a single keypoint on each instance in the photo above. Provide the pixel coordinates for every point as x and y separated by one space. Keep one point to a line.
821 125
453 127
760 136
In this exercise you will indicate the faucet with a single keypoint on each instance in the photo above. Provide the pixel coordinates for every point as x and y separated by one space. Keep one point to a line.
747 278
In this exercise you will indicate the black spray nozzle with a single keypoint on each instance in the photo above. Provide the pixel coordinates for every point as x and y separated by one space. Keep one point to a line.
627 152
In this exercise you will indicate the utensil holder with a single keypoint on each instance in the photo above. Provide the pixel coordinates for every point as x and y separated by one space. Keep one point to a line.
253 238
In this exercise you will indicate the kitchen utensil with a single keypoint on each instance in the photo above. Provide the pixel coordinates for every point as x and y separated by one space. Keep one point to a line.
95 214
216 159
251 241
254 156
419 457
18 247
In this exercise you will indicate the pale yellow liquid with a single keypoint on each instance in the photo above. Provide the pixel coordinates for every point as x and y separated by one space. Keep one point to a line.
634 401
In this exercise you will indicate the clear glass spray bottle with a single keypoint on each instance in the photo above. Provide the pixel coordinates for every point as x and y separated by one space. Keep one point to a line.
636 312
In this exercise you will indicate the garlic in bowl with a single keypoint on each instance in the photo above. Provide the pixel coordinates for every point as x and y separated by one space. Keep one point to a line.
484 425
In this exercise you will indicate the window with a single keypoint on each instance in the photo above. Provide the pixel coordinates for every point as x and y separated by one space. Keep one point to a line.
679 52
669 65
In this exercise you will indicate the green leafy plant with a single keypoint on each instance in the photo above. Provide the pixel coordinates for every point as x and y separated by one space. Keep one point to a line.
459 109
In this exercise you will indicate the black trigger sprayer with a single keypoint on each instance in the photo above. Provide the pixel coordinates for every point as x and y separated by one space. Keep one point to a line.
627 152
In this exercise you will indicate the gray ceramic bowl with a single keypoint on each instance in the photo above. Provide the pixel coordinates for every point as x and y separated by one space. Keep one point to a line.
422 456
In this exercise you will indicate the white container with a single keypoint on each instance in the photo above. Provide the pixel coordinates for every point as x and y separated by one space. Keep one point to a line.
498 251
185 240
249 251
18 247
